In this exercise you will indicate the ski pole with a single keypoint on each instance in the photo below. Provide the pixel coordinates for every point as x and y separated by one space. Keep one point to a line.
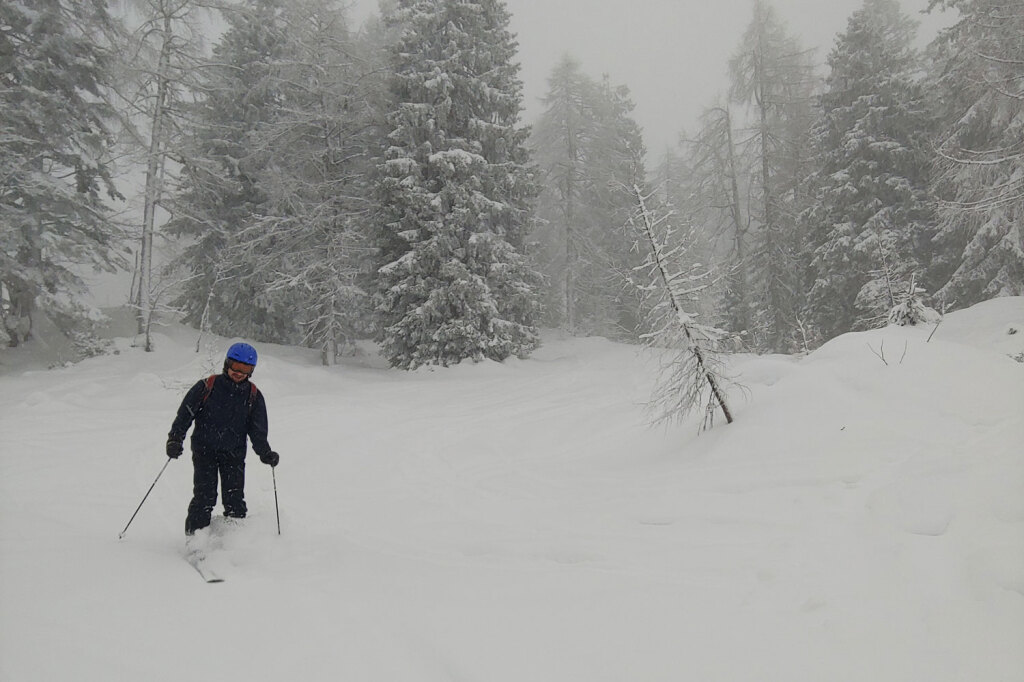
277 509
121 536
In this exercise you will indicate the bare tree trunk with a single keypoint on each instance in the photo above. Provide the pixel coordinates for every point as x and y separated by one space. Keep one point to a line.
742 286
735 202
571 253
154 167
204 319
18 323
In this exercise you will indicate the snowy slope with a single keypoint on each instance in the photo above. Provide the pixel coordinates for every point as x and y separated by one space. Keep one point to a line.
519 522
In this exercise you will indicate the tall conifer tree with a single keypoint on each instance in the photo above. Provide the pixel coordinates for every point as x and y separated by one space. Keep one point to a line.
980 169
55 162
712 194
456 190
775 79
221 188
308 243
869 232
588 149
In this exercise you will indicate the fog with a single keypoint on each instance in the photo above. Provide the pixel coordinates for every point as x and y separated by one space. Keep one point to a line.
672 54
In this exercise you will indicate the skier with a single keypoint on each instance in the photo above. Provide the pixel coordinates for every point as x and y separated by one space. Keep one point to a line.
226 408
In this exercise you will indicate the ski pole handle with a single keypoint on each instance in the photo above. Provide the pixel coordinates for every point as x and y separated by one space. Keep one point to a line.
121 535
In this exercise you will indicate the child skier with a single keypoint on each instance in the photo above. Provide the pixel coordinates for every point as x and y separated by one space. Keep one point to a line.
226 408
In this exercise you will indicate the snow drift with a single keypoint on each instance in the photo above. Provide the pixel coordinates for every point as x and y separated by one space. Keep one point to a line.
863 519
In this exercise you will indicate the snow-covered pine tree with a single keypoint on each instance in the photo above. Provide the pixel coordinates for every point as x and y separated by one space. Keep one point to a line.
910 308
559 141
586 145
220 189
617 157
309 244
55 163
774 78
455 190
869 230
693 378
980 170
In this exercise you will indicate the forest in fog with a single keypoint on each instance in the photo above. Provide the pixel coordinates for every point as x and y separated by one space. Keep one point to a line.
299 179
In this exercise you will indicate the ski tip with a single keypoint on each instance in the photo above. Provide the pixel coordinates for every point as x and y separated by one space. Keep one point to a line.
198 562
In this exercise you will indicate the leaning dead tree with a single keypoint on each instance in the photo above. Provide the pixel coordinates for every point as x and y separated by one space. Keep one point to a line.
693 377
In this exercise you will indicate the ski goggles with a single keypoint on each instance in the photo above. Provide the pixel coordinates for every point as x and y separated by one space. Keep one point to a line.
240 368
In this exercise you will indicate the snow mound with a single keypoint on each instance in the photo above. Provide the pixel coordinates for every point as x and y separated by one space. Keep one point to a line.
996 325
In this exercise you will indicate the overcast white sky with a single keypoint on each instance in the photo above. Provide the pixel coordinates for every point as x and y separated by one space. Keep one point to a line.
672 54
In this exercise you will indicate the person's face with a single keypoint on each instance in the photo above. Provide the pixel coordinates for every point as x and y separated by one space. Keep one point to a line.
239 371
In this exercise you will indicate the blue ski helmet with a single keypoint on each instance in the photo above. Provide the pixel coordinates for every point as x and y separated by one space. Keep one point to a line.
242 352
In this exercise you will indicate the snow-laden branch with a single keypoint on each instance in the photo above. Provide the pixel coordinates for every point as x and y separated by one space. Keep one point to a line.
694 373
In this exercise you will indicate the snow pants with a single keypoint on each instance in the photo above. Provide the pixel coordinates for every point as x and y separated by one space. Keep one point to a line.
207 467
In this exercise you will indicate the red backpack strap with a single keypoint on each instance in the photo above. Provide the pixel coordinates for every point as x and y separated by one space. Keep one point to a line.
209 387
253 392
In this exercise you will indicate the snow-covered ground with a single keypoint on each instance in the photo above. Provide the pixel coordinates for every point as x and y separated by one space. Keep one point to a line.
861 520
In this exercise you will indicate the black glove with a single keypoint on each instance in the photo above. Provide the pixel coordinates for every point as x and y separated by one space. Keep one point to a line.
174 448
271 458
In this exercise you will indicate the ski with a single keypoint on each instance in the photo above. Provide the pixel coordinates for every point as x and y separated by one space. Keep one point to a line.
198 562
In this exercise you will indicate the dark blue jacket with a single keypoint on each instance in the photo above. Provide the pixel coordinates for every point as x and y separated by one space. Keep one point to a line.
224 420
